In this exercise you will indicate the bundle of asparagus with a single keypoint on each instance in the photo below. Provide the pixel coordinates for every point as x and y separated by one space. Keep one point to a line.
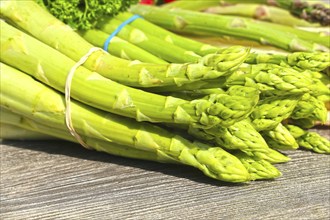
166 107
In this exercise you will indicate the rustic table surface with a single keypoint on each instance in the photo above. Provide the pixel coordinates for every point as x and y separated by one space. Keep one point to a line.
61 180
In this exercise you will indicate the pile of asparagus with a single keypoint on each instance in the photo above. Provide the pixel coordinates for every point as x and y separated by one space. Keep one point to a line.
228 112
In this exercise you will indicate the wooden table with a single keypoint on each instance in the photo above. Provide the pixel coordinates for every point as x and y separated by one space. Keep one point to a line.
61 180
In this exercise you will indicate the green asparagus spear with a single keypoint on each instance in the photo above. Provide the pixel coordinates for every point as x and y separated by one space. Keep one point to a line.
48 132
310 140
46 106
119 47
256 11
13 132
168 36
310 107
272 79
301 61
240 136
305 123
280 138
243 135
192 5
317 12
194 94
149 42
315 61
266 117
220 59
197 22
258 168
302 34
296 131
269 79
33 19
315 142
271 111
38 59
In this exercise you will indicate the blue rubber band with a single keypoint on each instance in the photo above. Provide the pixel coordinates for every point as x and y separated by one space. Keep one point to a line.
121 26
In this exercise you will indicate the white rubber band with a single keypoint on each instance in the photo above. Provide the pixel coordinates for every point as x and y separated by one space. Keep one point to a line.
68 119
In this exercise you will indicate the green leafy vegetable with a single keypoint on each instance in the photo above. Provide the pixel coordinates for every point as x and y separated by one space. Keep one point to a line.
84 14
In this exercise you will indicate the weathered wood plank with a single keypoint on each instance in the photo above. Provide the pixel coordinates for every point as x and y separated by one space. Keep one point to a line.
48 180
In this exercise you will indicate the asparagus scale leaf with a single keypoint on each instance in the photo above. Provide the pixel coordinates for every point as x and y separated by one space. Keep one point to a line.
271 111
258 168
310 140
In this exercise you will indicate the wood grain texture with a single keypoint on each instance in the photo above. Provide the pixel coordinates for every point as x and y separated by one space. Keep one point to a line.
61 180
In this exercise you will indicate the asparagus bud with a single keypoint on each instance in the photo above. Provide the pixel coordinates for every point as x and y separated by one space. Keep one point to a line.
258 168
280 138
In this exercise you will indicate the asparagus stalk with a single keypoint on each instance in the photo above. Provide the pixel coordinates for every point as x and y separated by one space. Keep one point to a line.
46 106
192 5
168 36
17 130
26 15
272 79
149 42
304 35
198 46
257 11
301 61
38 59
280 138
315 12
310 140
305 123
221 58
194 94
269 79
13 132
119 47
45 131
197 22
